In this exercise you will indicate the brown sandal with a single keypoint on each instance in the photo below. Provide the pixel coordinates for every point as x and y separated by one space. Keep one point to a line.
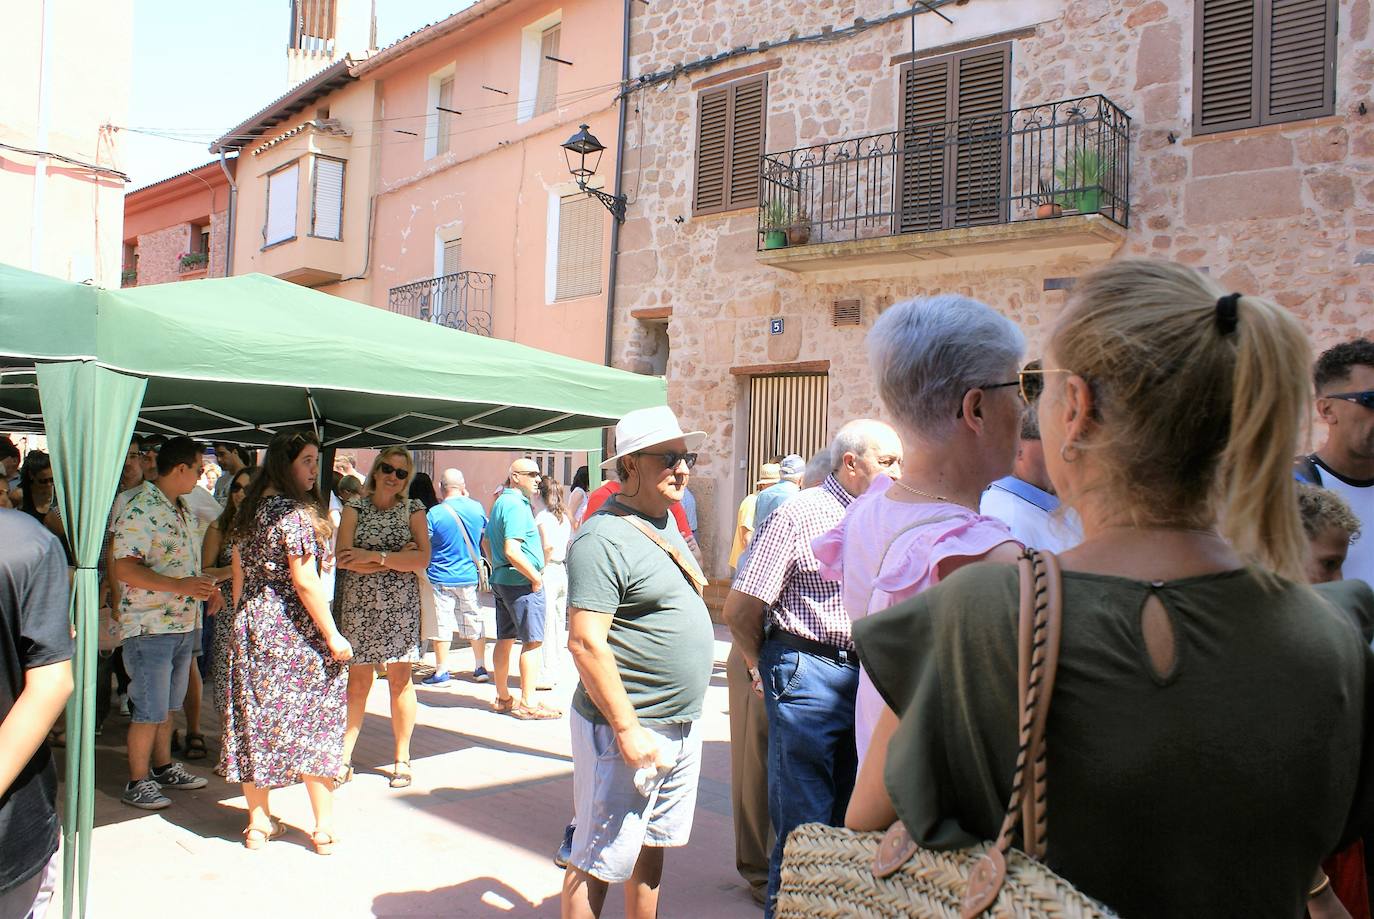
536 712
255 838
504 706
343 778
323 841
400 774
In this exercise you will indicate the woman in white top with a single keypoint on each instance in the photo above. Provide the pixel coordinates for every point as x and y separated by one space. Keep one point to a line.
577 497
555 524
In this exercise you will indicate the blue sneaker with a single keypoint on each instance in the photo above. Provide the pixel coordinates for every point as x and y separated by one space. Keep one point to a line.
565 851
481 675
438 678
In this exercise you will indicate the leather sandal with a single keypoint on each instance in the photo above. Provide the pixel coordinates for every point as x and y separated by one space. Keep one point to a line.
344 777
255 838
400 774
503 706
536 712
323 841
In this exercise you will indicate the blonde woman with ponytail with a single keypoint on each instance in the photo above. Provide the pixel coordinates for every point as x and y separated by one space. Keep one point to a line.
1210 736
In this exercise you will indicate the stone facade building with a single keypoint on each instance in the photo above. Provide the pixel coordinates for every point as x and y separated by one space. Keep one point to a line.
177 229
1000 155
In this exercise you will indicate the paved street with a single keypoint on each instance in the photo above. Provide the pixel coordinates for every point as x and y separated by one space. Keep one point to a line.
473 836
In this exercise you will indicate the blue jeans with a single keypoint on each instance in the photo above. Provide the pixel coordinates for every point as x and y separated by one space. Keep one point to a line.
811 756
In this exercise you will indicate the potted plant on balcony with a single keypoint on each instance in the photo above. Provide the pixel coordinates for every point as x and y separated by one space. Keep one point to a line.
193 261
1045 204
1082 173
799 230
775 224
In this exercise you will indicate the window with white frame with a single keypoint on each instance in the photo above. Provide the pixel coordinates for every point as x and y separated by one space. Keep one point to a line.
326 204
539 41
282 187
439 123
578 269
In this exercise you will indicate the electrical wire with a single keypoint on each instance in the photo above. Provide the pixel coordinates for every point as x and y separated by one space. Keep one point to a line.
106 170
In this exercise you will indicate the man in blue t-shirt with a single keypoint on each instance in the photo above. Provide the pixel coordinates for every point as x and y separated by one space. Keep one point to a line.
456 525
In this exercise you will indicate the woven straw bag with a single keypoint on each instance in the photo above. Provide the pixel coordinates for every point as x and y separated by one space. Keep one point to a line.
830 872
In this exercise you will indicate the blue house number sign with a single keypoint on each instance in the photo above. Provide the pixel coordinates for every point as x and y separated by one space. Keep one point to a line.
775 327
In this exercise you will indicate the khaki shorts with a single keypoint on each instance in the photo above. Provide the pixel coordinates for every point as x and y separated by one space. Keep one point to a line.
456 610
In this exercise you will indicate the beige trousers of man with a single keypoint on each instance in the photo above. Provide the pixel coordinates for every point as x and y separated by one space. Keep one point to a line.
749 776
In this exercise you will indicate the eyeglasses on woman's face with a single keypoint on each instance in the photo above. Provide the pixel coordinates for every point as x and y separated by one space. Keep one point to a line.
1031 383
388 469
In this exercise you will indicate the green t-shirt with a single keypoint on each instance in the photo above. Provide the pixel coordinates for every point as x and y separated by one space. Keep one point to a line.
661 633
1213 791
513 518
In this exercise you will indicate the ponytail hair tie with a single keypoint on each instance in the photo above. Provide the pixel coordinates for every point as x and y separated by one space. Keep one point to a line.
1227 313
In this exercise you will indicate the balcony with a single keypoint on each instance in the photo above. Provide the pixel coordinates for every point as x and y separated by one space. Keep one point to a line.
460 301
1001 188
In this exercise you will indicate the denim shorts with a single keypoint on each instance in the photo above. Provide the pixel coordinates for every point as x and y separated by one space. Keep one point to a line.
614 821
519 613
159 667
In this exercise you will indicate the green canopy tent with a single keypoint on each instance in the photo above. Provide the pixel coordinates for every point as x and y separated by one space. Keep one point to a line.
241 359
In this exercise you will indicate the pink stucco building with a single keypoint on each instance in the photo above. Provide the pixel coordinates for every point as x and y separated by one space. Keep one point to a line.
177 229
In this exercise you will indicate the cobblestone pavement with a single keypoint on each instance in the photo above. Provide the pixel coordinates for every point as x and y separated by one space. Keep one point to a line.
473 836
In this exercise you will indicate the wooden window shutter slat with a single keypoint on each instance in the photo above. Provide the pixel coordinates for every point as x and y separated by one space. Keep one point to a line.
713 142
580 219
747 121
1299 60
1226 82
281 205
927 106
453 256
546 97
981 96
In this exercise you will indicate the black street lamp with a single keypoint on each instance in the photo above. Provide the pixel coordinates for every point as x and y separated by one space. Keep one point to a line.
583 152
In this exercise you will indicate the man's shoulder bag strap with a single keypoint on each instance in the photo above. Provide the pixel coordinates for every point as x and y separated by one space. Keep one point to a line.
694 577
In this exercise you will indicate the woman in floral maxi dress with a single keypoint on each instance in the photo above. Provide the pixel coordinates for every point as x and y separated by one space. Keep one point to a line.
287 671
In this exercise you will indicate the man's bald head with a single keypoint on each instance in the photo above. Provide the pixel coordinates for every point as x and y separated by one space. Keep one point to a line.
453 483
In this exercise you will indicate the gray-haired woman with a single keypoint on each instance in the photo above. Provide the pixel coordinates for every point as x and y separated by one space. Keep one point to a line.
947 373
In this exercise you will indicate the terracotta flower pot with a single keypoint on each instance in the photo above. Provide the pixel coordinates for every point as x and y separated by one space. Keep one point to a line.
799 234
1048 209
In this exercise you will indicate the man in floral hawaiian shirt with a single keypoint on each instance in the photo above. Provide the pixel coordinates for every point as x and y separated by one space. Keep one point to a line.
157 557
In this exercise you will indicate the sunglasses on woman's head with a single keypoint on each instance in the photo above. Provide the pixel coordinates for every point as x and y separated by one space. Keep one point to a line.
388 469
1364 399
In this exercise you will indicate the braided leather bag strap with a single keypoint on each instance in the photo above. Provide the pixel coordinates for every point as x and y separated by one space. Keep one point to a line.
1039 630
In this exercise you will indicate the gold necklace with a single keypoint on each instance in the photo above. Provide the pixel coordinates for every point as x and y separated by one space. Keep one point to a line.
916 491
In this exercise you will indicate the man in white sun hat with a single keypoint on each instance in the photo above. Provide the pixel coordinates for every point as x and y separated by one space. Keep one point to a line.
642 641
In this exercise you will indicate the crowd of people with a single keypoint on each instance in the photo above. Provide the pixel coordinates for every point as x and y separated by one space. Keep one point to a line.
1212 734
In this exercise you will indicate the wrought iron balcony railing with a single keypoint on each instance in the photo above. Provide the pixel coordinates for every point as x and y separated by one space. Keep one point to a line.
460 301
1049 160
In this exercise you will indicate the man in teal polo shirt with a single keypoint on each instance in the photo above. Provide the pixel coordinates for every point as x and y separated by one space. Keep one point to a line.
517 555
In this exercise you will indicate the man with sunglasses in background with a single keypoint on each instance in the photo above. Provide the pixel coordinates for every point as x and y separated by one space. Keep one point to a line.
1344 379
517 583
641 638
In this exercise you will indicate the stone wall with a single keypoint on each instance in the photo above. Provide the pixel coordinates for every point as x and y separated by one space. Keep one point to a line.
1285 211
159 252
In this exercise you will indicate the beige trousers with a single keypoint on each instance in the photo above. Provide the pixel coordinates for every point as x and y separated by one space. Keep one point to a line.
749 776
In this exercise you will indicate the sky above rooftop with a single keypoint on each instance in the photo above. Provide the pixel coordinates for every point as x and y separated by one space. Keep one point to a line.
201 70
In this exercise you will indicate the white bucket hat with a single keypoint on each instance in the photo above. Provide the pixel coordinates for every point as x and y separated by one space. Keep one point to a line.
648 427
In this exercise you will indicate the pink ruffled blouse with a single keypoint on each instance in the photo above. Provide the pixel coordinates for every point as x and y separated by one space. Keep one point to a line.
885 551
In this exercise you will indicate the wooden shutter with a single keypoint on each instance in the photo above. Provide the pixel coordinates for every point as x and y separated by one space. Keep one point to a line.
1300 60
955 165
444 122
747 110
1262 62
327 207
281 205
580 219
787 414
730 141
713 144
453 256
546 97
1226 52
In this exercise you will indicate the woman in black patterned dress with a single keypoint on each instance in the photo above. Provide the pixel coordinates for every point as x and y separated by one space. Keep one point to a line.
286 673
383 542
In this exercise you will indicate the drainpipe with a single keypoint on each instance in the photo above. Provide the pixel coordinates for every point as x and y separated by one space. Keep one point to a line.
619 182
233 215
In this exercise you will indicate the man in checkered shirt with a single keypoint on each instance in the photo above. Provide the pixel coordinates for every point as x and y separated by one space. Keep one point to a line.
791 626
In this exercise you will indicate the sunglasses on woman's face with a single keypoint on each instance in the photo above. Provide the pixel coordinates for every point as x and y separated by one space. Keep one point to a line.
235 487
1364 399
388 469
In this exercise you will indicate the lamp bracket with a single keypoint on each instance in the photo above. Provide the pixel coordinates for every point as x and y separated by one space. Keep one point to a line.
613 203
